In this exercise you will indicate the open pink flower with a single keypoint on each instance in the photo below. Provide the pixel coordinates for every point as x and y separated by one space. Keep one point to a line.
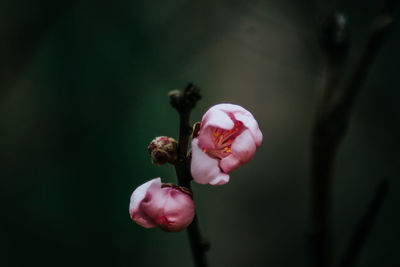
228 137
155 204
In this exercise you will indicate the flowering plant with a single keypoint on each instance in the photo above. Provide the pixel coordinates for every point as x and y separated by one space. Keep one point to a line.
226 138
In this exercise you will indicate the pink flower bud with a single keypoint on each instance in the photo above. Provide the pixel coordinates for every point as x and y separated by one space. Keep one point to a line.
168 206
228 137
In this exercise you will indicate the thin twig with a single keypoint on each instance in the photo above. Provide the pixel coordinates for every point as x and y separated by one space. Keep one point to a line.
184 103
333 114
364 226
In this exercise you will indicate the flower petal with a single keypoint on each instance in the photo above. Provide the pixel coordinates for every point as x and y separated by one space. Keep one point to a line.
229 163
250 123
243 115
205 169
228 108
153 204
212 120
178 211
206 139
137 198
216 118
244 147
140 193
221 179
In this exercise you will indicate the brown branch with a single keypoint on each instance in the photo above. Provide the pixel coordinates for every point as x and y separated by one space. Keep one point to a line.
364 226
184 134
184 103
330 125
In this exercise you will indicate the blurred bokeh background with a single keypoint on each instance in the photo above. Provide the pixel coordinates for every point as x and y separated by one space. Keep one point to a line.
83 90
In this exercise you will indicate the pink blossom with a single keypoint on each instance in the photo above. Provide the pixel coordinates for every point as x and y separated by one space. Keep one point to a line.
228 137
155 204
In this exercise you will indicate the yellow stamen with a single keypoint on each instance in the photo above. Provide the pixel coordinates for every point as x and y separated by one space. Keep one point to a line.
204 150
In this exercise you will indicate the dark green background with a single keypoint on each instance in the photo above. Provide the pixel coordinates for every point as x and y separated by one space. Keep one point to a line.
83 90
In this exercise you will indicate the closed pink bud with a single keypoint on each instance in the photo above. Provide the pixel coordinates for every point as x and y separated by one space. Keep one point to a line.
168 206
228 137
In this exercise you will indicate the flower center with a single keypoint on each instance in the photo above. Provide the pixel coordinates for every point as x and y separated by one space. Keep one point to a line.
223 140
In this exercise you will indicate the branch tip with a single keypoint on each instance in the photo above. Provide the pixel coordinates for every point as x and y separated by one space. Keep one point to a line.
186 100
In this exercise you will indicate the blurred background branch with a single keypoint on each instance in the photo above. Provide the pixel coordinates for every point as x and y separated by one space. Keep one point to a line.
334 110
364 226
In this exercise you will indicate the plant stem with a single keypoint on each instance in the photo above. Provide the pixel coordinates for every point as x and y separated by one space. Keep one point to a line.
184 134
184 103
